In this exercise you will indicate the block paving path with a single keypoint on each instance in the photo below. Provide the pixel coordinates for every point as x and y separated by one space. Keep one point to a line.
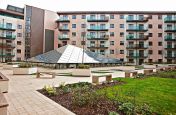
23 98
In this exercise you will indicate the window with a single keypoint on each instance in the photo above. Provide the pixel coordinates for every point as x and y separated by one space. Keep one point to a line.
18 59
111 34
111 25
73 34
18 51
150 26
150 34
121 42
19 26
111 51
150 51
160 60
121 16
83 25
121 59
150 43
159 34
121 51
18 42
73 42
83 34
160 52
112 43
83 17
111 16
121 25
159 26
159 43
121 34
19 34
159 17
73 16
73 25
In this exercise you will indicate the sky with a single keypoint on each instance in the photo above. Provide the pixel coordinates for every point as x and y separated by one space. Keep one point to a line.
95 5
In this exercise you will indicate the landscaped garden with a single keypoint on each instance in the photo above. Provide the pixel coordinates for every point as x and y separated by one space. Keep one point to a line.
144 95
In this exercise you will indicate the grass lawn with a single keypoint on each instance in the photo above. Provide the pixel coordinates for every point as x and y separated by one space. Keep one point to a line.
158 93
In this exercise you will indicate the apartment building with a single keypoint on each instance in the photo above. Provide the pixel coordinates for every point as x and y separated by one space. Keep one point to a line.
134 37
11 34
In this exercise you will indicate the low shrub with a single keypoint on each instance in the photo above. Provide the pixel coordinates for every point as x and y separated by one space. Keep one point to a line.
113 113
25 65
50 90
83 66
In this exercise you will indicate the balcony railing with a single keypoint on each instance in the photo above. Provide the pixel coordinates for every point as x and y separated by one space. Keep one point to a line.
5 36
5 27
5 45
63 19
97 28
137 28
137 55
170 55
170 47
7 55
98 46
62 28
97 37
98 19
170 19
137 19
170 38
137 37
137 46
170 29
63 37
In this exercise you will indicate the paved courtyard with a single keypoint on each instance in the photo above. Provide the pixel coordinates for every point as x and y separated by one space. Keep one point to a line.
23 98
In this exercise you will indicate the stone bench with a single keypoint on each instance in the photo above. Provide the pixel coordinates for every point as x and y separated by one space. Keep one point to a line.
4 81
53 74
3 105
131 73
95 78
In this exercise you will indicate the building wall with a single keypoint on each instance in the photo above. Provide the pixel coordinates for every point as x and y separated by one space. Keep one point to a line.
151 19
14 47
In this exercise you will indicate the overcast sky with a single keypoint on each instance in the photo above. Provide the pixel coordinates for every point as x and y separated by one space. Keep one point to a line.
96 5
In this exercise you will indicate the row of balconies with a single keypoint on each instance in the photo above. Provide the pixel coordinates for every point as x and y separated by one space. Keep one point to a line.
137 46
97 46
137 55
170 19
170 29
169 38
169 47
5 27
6 36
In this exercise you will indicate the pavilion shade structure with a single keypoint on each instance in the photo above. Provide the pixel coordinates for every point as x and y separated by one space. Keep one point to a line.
73 55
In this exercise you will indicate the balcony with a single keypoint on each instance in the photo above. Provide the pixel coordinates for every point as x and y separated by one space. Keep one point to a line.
97 28
137 37
63 37
62 28
97 37
170 47
169 38
137 46
63 19
137 28
7 46
11 37
5 27
170 19
170 29
170 56
98 19
137 55
138 19
97 46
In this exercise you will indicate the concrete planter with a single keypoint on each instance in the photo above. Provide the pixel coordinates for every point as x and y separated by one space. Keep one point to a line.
4 81
148 71
3 105
6 66
81 72
24 71
149 66
131 73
